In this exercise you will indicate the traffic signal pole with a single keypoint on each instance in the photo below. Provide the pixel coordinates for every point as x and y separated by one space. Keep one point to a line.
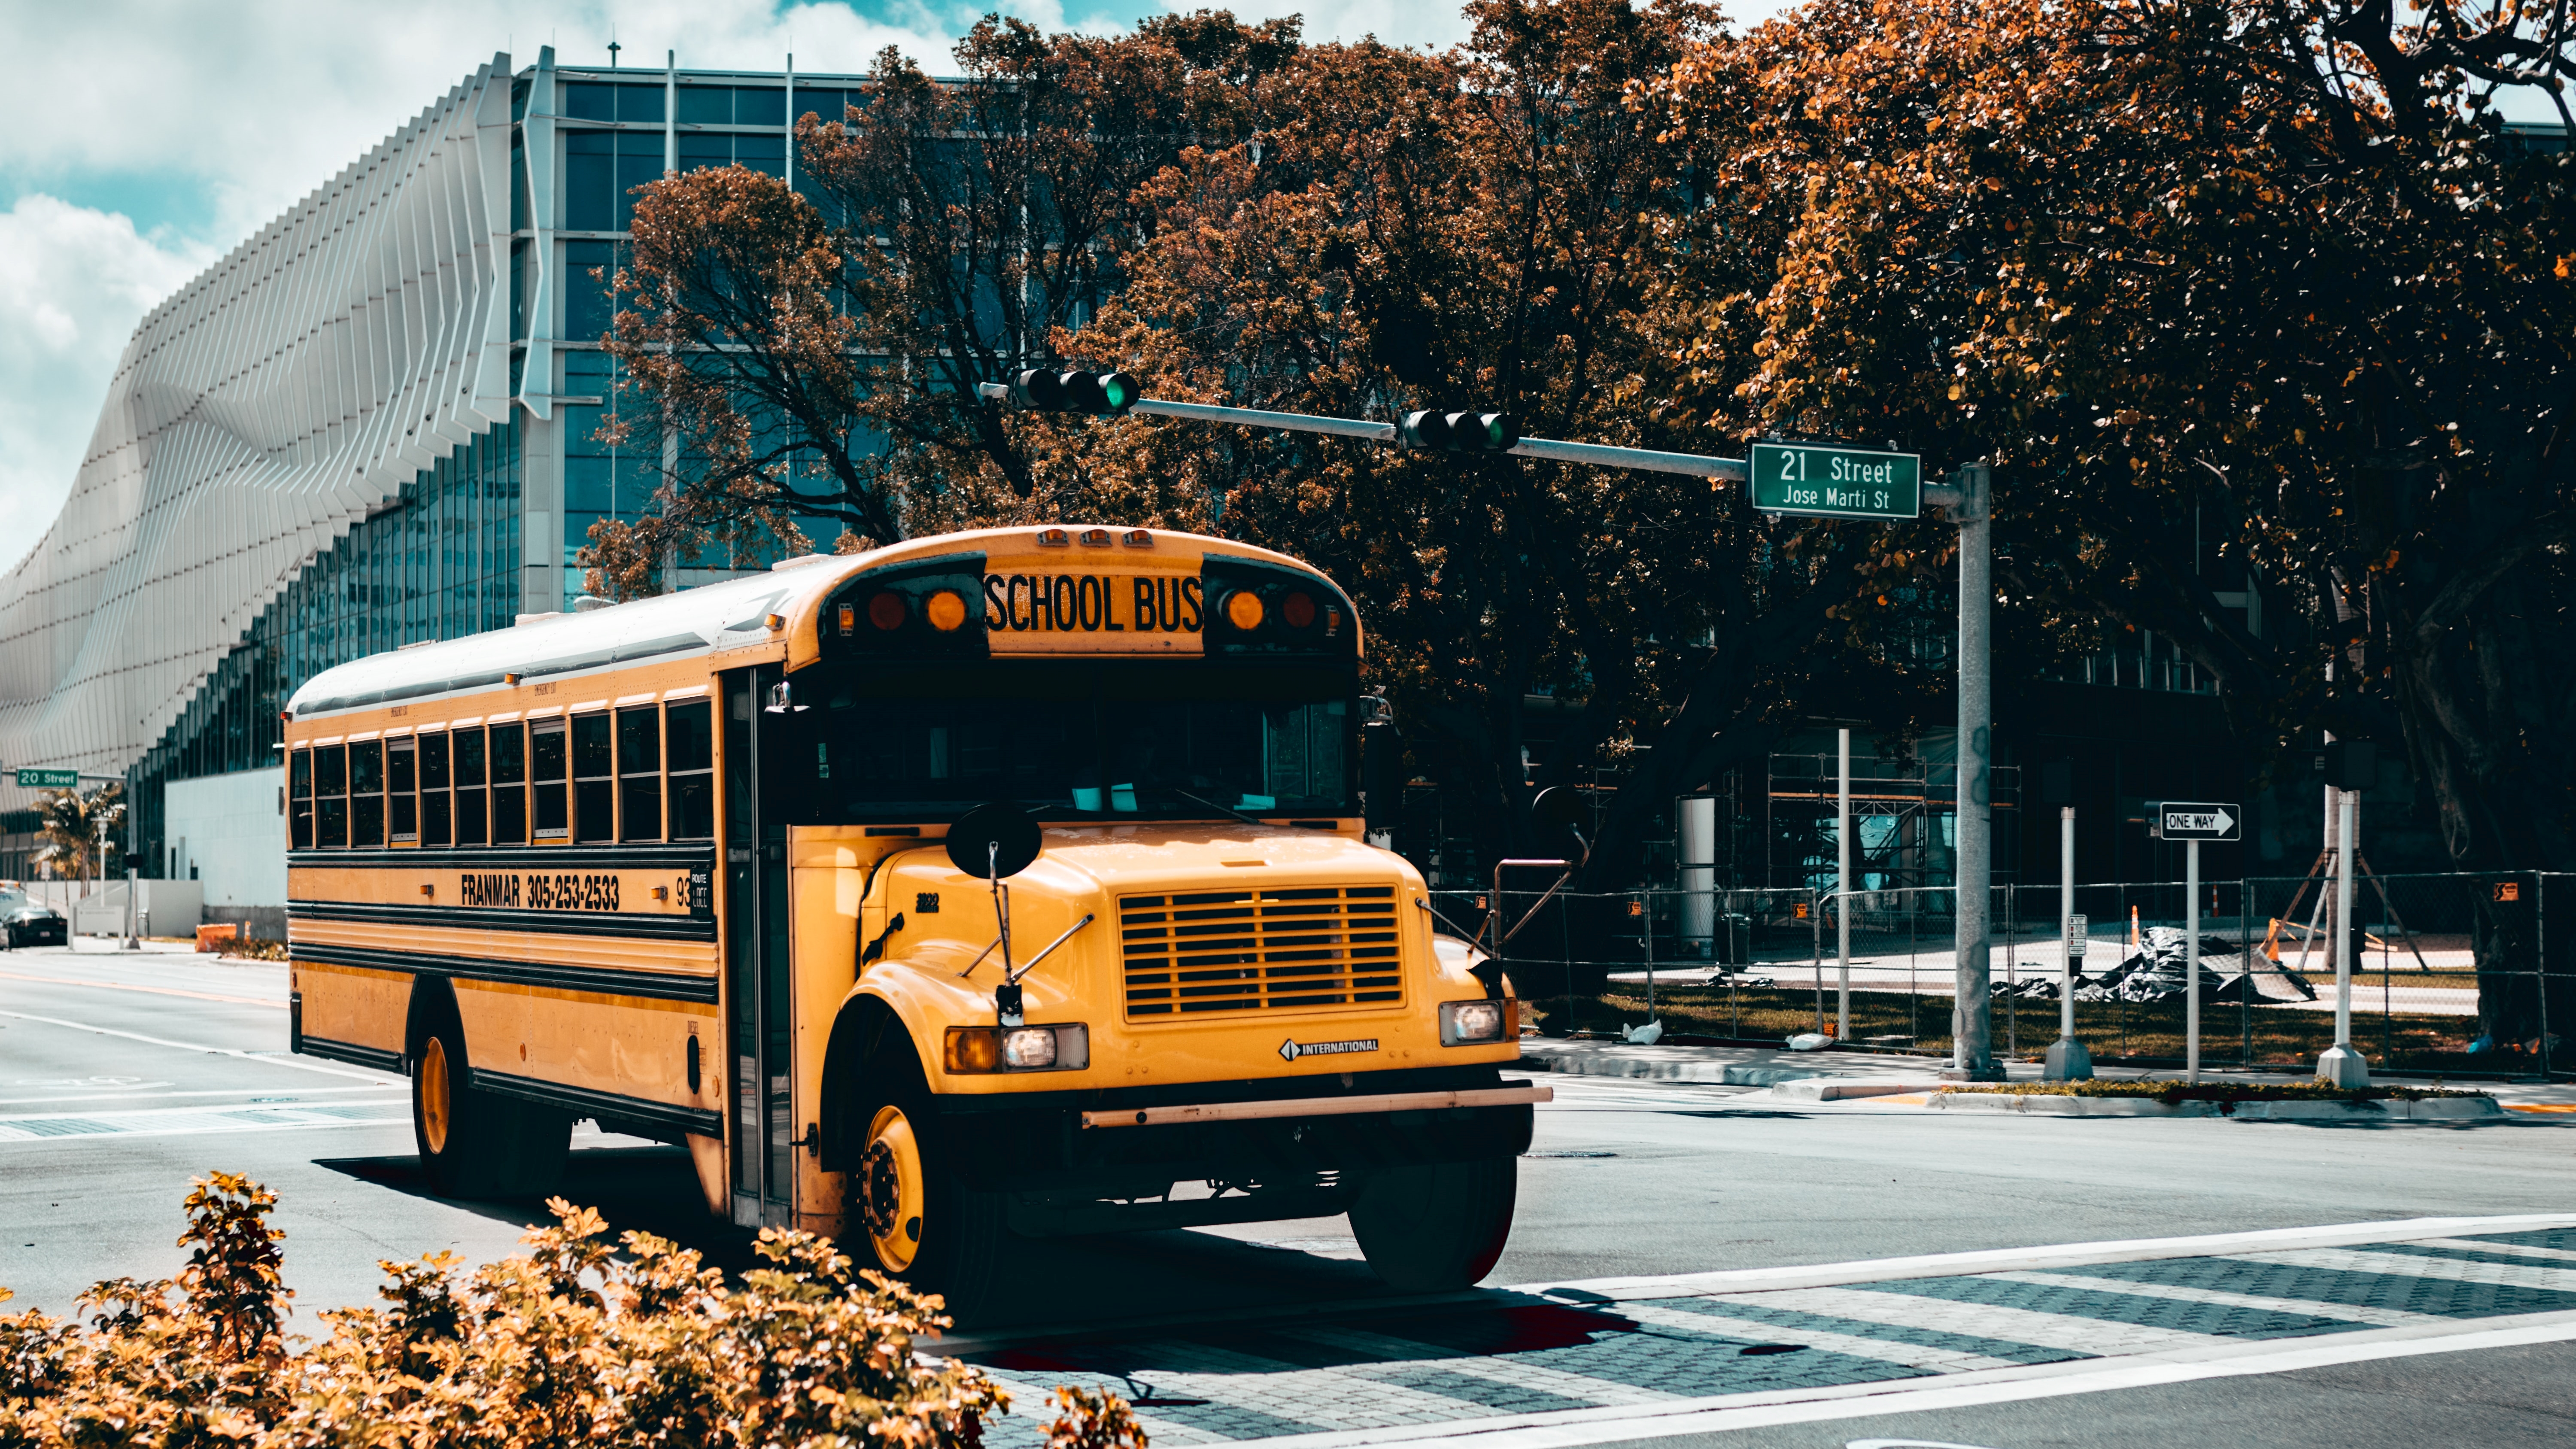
1967 501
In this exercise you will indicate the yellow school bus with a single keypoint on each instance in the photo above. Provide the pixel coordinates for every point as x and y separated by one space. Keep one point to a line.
1004 883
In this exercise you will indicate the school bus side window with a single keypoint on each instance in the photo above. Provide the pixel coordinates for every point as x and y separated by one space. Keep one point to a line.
331 791
639 774
549 810
367 793
693 781
299 790
470 817
434 816
509 785
402 804
594 773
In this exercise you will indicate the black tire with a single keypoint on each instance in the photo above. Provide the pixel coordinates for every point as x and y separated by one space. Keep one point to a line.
1437 1227
476 1144
907 1214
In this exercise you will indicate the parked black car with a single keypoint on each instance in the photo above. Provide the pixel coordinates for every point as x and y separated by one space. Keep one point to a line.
30 923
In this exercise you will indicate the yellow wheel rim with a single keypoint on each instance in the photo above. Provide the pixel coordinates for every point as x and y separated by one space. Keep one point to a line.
890 1197
434 1105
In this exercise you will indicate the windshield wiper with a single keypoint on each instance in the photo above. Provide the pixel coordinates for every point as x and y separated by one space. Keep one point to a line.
1228 809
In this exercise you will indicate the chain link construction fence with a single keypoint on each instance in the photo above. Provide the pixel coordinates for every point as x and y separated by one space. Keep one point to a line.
2451 974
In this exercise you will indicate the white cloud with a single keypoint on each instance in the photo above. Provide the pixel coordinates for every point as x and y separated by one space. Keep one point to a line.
73 282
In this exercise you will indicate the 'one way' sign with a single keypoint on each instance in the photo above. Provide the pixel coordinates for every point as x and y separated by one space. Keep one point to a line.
2196 820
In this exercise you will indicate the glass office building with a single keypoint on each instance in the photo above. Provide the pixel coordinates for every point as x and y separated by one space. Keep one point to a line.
372 424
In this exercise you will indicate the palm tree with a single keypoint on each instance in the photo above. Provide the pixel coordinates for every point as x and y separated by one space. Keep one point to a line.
80 830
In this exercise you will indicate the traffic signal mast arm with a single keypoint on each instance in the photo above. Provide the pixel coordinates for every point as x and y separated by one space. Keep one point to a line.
1731 470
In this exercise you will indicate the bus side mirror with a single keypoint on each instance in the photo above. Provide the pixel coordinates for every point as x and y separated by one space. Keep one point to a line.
993 841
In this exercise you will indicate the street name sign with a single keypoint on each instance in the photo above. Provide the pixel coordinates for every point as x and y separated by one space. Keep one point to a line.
2196 820
48 779
1821 480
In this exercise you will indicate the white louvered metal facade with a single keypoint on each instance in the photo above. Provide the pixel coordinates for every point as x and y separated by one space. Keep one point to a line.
256 416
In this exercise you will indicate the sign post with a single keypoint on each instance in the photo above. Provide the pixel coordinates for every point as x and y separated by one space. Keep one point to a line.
2068 1061
2192 822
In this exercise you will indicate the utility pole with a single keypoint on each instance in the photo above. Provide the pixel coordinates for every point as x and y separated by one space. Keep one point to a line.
1972 1057
1842 897
2068 1061
2340 1064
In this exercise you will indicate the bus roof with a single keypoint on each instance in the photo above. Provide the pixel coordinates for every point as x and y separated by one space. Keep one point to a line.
703 620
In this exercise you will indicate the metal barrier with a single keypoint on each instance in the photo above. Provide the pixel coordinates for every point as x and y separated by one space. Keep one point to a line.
2451 974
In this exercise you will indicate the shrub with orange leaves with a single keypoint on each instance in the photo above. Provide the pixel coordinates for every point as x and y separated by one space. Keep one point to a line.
577 1341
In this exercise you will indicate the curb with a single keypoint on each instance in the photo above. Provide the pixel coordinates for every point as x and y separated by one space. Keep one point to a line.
1641 1069
2448 1109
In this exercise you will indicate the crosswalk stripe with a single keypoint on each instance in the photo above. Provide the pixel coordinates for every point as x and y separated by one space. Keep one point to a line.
2380 1317
185 1121
1518 1373
1983 1320
1885 1350
2519 1250
2456 1270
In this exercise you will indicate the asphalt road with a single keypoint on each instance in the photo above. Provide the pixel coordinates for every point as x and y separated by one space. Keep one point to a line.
122 1076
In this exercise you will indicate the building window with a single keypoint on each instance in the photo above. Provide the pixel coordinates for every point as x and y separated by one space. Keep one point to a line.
639 774
590 181
367 793
435 819
331 790
299 791
509 785
470 807
693 780
594 774
402 783
548 809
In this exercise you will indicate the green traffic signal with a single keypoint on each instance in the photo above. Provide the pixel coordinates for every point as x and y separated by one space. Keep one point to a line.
1459 432
1042 390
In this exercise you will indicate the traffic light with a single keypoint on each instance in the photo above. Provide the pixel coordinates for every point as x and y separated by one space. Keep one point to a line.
1459 432
1103 394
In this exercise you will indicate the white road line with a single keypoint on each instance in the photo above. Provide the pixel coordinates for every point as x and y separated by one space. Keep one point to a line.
141 1095
2234 1357
1885 1350
2455 1270
2519 1250
1405 1353
2066 1255
2351 1313
190 1046
184 1121
2093 1336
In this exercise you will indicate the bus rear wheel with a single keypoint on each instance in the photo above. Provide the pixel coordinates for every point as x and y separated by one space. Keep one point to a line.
907 1215
1436 1227
474 1143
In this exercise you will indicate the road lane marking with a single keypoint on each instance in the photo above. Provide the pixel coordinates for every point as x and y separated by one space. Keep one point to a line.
184 1121
1885 1350
148 990
2175 1292
191 1046
1562 1429
142 1093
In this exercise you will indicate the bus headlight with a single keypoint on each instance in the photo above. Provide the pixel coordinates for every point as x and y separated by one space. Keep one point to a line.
977 1050
1472 1023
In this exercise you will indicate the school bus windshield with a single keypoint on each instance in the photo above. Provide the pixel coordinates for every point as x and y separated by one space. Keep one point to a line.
1070 748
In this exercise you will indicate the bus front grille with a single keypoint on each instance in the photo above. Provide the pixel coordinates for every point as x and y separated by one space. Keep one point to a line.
1296 948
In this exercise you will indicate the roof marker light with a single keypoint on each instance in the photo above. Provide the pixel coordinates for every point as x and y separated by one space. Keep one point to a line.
1095 538
1054 538
1137 538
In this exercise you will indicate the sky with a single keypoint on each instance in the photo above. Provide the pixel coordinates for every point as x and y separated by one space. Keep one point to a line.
140 140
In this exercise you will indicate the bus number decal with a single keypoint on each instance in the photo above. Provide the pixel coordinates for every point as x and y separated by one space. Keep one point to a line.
1091 604
541 892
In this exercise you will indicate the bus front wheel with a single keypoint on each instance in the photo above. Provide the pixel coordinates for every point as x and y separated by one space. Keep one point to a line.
907 1215
475 1143
1436 1227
